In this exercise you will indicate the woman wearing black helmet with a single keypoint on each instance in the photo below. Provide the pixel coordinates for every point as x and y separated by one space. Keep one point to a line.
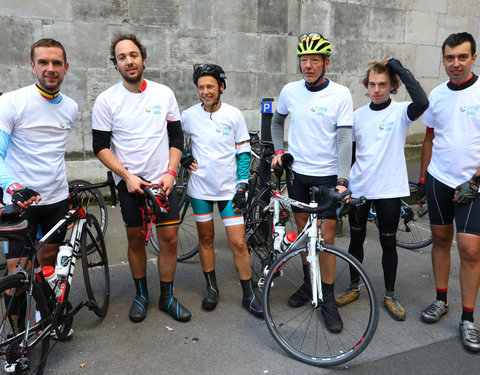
219 170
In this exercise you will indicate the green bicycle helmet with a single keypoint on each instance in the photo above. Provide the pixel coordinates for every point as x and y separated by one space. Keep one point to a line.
313 44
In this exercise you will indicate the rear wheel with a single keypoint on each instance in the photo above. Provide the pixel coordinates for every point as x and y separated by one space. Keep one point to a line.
301 331
95 266
414 227
18 356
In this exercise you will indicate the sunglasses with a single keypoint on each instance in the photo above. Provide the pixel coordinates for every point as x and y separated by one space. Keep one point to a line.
311 36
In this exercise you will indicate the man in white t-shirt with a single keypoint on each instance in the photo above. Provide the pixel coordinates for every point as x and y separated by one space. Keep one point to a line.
380 170
137 134
451 156
35 123
320 140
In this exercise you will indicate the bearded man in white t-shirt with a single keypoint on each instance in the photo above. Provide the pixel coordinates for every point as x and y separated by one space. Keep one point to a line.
451 156
320 140
137 134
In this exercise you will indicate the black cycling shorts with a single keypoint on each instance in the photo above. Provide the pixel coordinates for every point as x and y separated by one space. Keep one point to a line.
130 207
41 218
442 210
300 191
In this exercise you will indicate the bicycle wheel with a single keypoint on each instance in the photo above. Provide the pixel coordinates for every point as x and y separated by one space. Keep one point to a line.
93 202
187 232
259 242
16 355
414 227
301 331
95 266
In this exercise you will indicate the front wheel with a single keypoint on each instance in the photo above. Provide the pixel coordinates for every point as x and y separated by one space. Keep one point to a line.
301 331
16 355
95 266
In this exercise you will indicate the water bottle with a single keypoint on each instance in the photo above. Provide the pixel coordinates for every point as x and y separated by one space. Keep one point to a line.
279 234
64 257
288 239
50 277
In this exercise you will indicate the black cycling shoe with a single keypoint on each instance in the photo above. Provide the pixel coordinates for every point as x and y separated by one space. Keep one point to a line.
301 296
138 310
332 318
211 298
253 305
175 309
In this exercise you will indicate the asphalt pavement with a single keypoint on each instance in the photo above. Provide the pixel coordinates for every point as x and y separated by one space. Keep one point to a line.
229 340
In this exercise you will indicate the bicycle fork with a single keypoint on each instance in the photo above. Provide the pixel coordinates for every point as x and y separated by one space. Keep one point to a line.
313 262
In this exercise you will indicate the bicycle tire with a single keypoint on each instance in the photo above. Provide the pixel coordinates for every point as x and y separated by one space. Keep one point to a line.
413 230
300 331
95 266
34 357
93 202
187 232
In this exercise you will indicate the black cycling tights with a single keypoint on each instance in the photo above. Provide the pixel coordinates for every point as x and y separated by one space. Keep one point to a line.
387 218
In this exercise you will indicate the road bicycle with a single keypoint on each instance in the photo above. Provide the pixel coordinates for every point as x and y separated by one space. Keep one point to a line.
31 308
301 331
413 230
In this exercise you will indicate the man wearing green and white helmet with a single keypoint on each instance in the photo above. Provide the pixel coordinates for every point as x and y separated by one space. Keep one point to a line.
320 140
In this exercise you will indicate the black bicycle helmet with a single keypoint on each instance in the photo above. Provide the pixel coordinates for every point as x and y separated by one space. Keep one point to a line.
209 70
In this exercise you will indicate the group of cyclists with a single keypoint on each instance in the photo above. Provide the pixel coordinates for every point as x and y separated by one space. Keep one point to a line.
138 133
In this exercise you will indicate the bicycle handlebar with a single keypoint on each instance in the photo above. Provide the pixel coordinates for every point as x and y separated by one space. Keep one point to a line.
333 197
110 183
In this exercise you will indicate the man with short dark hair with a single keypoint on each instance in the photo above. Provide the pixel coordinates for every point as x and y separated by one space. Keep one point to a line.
137 134
451 156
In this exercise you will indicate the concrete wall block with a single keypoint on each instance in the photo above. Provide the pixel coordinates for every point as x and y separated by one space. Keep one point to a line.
448 24
406 53
14 77
429 65
85 44
75 144
18 39
269 85
110 12
253 119
195 14
272 16
350 21
75 86
154 12
152 38
463 8
91 170
181 83
387 4
277 48
316 15
386 25
237 16
438 6
98 80
184 48
294 18
58 9
240 52
350 57
421 27
240 91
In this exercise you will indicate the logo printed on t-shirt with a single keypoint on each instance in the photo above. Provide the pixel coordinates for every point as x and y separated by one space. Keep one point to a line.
154 109
384 128
319 110
224 129
469 110
65 125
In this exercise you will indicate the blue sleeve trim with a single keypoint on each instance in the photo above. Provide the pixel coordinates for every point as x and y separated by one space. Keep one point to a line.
345 126
6 179
243 166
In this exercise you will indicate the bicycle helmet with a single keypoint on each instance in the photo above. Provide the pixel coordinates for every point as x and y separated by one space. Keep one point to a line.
161 207
313 44
209 70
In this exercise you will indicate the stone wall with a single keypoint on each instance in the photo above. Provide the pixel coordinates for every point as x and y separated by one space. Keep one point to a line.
253 40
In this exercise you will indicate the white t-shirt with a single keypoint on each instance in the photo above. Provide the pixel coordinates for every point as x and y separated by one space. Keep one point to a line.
455 116
380 170
39 130
138 122
314 119
215 144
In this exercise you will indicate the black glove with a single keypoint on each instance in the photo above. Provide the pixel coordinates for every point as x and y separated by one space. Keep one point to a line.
187 161
239 200
395 65
23 195
467 192
421 192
